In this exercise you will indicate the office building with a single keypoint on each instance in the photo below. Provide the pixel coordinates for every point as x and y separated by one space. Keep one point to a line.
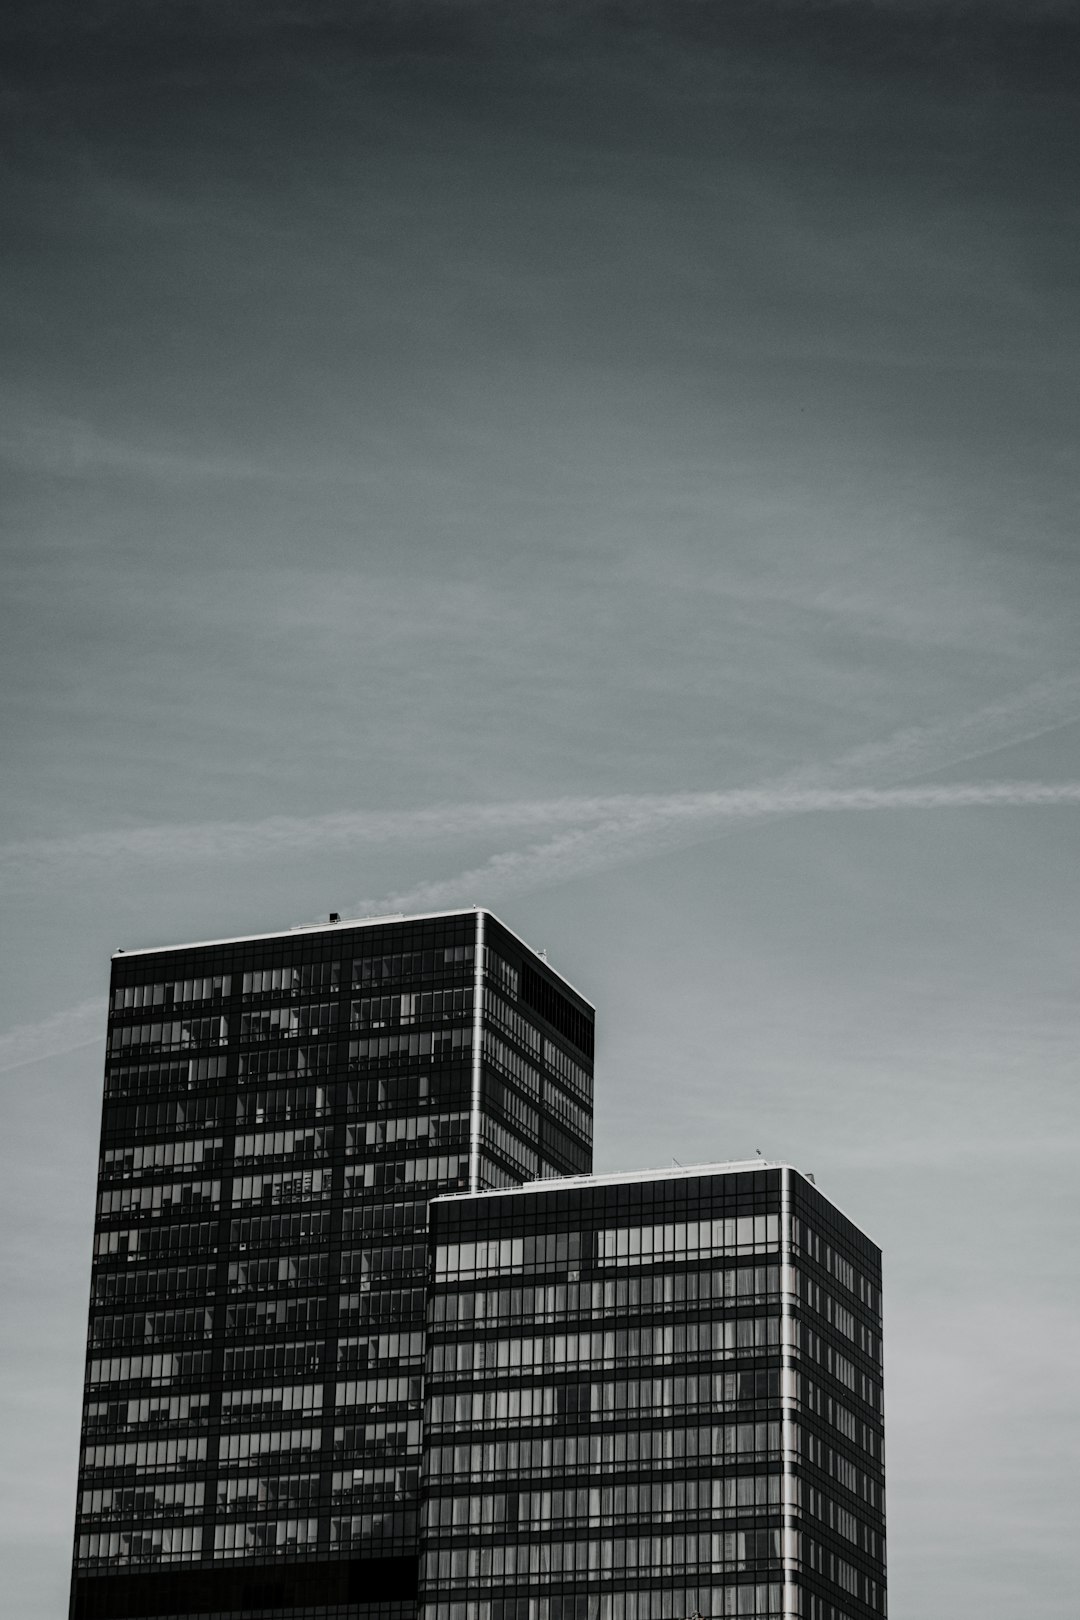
652 1396
278 1111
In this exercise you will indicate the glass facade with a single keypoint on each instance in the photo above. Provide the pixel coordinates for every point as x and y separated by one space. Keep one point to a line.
278 1112
653 1397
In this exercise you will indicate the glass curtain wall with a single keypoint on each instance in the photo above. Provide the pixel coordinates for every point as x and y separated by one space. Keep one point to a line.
277 1115
638 1408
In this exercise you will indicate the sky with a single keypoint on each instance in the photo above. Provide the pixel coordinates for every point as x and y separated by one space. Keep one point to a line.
612 464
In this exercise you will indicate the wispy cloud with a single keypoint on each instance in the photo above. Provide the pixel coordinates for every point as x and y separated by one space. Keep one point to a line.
648 827
255 840
628 829
65 1031
918 751
70 447
632 829
586 820
593 833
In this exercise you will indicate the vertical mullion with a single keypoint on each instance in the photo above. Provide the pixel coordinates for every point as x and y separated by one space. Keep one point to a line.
477 1066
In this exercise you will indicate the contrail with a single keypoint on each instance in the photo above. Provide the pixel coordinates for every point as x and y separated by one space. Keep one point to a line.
906 755
637 829
596 832
345 830
641 827
66 1031
669 822
920 750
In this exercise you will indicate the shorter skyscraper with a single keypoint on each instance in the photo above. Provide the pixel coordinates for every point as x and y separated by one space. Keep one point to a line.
651 1396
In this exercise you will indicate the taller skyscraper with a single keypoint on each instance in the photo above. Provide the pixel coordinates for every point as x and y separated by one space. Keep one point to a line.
278 1111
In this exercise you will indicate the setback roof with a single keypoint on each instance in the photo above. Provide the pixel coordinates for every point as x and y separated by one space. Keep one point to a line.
682 1172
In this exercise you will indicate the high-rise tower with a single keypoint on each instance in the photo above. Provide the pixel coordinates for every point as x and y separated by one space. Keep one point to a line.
278 1111
652 1396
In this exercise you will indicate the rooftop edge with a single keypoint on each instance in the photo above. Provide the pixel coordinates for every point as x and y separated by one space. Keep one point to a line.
351 923
682 1172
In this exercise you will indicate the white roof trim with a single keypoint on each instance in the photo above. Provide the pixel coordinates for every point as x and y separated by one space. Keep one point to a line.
351 922
682 1172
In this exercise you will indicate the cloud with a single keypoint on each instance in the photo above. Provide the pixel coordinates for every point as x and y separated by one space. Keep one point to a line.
594 832
73 449
68 446
916 751
633 829
589 821
256 840
66 1031
651 826
628 829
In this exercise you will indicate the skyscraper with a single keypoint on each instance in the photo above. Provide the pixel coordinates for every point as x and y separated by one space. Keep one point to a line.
653 1396
278 1111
